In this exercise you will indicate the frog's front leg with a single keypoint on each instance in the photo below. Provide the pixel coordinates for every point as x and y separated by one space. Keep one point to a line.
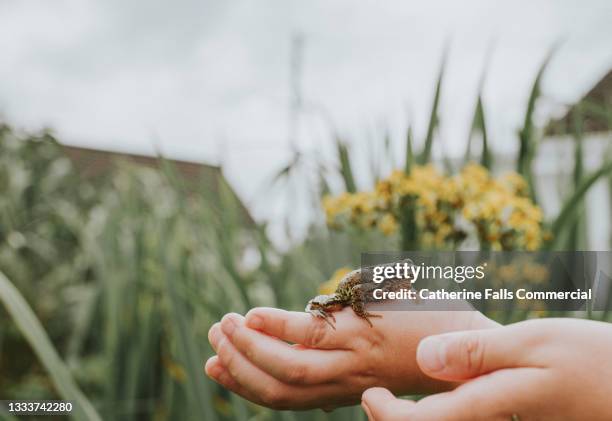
358 304
322 306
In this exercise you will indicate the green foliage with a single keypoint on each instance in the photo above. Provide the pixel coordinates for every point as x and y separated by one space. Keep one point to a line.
425 156
126 276
572 203
479 126
345 166
527 135
31 328
409 152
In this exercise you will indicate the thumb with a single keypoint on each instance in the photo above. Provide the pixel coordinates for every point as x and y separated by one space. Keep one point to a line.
463 355
381 405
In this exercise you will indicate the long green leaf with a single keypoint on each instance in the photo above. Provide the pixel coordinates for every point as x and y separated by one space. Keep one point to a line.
486 159
577 234
199 393
32 330
433 117
527 135
571 204
345 167
479 125
409 154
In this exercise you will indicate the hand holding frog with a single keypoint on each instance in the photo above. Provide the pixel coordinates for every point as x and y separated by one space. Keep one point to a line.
291 360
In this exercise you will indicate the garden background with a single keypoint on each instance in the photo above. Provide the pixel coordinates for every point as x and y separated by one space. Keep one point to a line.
110 279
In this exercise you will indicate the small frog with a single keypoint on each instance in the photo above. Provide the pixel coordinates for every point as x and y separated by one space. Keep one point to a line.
355 290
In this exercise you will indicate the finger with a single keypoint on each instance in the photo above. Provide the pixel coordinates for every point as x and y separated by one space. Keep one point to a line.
303 328
213 335
216 371
464 355
289 364
266 390
381 405
495 396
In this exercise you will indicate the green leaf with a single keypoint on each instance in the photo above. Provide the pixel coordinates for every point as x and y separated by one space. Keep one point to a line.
577 232
433 117
409 154
409 230
199 393
345 167
32 330
527 135
486 159
479 125
571 204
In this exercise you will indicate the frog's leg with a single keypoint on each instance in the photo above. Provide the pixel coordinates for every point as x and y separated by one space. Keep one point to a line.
325 316
358 304
320 312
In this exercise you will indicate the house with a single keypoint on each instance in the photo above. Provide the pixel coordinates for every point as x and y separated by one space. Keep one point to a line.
199 177
590 122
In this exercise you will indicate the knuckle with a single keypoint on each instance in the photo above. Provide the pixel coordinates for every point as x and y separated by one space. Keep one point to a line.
473 353
297 374
274 397
242 340
225 354
316 333
282 328
249 353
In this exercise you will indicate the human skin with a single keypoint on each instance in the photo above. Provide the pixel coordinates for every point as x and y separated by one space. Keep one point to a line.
292 360
546 369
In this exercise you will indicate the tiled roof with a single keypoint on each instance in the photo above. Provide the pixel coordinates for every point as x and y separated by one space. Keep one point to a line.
594 109
92 163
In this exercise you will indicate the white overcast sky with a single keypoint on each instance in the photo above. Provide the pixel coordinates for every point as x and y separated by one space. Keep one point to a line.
209 80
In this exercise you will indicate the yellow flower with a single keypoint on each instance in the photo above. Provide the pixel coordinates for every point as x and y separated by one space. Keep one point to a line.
515 183
330 286
388 224
499 209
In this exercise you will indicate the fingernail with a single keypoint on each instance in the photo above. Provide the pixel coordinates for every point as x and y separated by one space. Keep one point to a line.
213 335
213 370
366 410
228 326
431 354
255 322
230 322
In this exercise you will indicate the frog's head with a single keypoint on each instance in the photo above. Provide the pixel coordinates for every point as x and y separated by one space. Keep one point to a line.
319 302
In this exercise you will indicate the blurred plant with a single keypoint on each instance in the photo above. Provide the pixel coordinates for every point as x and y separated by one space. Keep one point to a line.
331 285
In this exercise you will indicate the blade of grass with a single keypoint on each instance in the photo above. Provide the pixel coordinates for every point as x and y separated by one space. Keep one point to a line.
32 330
576 234
345 166
198 390
570 205
409 153
527 135
486 159
479 125
433 117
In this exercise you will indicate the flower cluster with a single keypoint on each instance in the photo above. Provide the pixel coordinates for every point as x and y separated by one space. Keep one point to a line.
444 208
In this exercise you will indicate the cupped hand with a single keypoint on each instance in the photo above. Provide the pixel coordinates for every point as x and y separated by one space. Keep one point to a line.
292 360
546 369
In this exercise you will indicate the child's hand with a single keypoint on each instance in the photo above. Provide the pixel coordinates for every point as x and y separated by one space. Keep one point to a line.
321 367
547 369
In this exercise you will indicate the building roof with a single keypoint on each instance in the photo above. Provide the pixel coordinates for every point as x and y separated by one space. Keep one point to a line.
595 110
93 163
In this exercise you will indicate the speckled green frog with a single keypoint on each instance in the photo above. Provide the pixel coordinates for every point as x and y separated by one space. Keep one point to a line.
355 290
